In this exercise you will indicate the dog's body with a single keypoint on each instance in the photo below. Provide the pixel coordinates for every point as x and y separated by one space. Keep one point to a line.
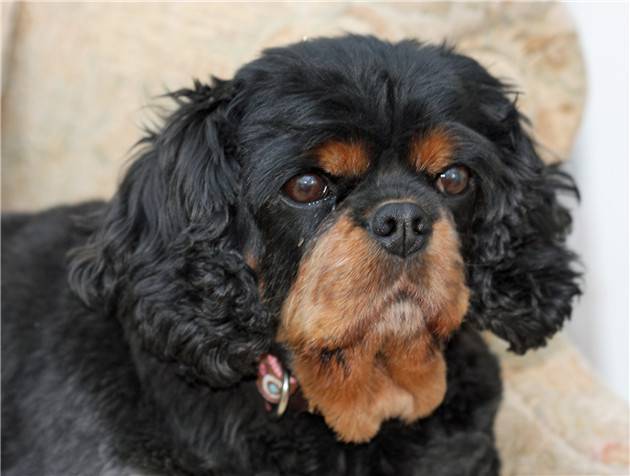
131 329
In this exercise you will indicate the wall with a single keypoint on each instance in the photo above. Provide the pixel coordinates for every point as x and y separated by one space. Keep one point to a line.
600 165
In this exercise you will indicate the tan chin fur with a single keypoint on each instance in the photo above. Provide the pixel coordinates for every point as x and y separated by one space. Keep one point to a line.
365 328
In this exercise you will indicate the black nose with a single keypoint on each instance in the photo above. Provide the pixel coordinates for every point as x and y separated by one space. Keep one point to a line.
400 227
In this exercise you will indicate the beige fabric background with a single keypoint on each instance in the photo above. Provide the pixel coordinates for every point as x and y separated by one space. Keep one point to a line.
77 79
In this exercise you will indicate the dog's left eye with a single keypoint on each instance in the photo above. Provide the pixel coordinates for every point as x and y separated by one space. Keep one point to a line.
453 180
306 188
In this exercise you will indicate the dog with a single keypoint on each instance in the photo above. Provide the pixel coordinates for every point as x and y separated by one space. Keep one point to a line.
291 278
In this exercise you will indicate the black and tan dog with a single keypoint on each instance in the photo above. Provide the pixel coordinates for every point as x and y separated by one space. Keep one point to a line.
346 211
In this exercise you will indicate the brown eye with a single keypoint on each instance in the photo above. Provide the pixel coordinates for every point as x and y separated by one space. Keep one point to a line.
305 188
453 180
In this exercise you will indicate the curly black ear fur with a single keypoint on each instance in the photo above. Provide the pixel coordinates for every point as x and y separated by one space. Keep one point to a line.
521 272
164 255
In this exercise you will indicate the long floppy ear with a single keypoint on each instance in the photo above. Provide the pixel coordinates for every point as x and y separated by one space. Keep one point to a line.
164 255
521 272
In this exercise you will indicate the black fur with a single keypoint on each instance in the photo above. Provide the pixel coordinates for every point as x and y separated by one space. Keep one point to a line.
131 329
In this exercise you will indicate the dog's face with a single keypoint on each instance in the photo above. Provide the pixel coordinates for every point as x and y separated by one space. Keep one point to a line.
358 206
352 201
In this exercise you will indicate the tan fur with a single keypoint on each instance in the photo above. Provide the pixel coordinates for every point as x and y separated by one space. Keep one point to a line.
250 260
365 326
432 152
343 159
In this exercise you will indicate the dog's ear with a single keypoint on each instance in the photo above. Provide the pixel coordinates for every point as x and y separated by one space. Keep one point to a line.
165 254
522 274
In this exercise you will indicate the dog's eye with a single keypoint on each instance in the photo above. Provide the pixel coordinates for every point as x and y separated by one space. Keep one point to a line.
305 188
453 180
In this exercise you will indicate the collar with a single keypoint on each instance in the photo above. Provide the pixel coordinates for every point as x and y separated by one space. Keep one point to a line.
277 386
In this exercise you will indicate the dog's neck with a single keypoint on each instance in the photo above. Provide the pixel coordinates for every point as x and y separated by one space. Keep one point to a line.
191 411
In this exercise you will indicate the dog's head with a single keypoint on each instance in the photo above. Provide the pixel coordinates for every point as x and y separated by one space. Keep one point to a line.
349 200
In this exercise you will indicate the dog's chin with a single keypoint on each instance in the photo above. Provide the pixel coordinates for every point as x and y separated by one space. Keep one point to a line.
366 332
375 378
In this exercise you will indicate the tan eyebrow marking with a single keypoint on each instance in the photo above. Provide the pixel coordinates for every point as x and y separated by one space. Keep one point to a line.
432 152
344 159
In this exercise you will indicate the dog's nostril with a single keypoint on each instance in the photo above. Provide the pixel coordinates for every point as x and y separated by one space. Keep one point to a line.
419 226
384 227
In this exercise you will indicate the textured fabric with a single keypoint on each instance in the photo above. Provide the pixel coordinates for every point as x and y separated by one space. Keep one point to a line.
556 417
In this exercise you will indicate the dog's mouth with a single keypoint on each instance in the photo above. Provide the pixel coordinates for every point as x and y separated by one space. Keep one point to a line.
366 331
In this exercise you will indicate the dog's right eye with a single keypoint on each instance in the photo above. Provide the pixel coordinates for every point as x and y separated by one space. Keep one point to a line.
306 188
453 180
